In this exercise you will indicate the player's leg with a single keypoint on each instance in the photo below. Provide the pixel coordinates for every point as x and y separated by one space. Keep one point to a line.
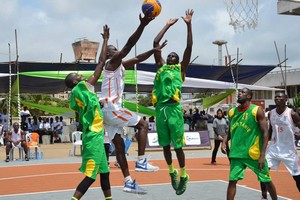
297 179
82 188
105 185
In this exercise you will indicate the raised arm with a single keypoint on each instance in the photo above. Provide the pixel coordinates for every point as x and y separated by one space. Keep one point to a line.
157 55
117 58
102 57
143 56
188 50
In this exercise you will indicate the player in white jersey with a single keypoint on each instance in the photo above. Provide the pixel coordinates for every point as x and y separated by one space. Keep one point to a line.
16 138
116 117
283 121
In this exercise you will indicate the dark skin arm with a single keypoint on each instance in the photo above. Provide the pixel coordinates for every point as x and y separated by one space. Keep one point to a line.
263 126
116 60
296 120
188 50
157 56
102 58
141 57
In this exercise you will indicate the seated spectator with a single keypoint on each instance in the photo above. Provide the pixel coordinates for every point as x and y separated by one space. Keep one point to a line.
16 138
29 125
57 129
45 129
152 125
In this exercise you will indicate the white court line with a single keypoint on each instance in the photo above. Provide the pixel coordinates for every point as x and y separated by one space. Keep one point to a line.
159 184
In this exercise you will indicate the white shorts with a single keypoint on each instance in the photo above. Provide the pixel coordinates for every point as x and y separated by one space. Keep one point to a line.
290 162
115 121
18 146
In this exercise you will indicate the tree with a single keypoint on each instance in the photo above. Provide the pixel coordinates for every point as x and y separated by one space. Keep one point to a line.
296 101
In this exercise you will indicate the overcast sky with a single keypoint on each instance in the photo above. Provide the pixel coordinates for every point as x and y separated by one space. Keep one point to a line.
47 28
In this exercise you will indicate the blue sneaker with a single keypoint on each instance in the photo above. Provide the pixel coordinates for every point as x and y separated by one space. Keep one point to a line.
145 166
132 187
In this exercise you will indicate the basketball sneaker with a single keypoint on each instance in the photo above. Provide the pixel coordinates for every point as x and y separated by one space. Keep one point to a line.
174 180
145 166
132 187
182 185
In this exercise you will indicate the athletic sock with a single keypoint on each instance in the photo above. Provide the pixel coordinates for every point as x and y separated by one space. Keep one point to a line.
141 158
183 172
74 198
108 198
128 178
171 168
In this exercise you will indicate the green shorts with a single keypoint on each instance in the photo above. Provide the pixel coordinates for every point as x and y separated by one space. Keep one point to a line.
94 159
170 125
238 167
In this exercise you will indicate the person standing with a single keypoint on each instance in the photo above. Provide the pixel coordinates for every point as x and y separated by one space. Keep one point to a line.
249 138
116 117
85 103
166 97
283 122
25 114
220 127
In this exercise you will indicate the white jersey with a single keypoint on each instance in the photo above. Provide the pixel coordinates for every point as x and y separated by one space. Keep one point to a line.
112 89
15 136
282 144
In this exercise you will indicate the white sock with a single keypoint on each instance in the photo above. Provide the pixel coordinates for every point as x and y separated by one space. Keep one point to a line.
128 178
141 158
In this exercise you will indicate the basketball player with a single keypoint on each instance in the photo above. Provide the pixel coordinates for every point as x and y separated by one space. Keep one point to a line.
116 117
85 103
249 138
283 122
166 97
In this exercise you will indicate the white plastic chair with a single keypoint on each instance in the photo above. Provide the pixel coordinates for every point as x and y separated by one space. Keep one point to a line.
76 140
32 140
65 136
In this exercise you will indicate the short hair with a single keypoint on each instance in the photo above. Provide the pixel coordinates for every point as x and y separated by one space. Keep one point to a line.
69 80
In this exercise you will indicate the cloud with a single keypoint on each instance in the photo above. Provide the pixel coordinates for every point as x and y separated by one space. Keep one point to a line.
48 28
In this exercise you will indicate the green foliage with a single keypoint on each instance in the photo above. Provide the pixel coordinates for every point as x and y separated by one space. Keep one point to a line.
296 101
42 99
145 100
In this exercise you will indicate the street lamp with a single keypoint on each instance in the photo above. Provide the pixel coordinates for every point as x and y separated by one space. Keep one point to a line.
220 43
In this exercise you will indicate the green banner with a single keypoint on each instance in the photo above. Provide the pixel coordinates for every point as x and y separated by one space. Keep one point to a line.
212 100
129 75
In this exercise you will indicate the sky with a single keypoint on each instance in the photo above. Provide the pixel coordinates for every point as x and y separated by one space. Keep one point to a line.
47 28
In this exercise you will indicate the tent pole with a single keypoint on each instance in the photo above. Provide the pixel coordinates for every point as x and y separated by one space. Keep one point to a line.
18 78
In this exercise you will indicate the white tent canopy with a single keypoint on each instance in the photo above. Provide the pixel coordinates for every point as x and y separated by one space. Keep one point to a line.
146 78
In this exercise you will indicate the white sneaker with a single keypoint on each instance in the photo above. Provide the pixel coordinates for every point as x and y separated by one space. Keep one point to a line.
145 166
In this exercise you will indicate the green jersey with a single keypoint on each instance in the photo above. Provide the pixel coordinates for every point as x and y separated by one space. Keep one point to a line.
245 134
86 104
167 84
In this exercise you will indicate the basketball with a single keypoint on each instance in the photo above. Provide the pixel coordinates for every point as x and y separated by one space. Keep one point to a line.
151 8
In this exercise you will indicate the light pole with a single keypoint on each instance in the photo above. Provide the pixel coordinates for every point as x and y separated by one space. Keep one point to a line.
220 43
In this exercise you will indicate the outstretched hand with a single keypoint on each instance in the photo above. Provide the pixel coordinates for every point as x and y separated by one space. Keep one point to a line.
145 20
188 16
172 21
105 34
158 48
